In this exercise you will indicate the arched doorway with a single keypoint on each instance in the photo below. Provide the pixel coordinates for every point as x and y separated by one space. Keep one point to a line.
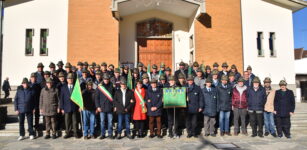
154 40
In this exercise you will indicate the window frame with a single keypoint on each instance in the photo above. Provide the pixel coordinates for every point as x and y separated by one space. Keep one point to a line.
261 44
26 42
41 42
272 40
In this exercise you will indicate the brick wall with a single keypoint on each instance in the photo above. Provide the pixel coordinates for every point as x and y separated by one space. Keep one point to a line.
218 35
92 32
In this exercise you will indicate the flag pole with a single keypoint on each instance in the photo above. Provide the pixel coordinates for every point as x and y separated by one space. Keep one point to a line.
174 122
82 127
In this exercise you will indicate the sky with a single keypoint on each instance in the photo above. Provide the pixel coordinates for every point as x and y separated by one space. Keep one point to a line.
300 28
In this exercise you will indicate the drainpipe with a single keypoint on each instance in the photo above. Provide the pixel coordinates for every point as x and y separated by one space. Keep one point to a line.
1 41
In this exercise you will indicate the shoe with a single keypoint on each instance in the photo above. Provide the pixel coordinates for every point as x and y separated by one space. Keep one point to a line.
274 135
222 133
228 133
213 135
189 136
195 136
102 137
170 135
111 137
92 137
21 138
160 136
129 137
288 137
151 136
66 136
31 137
260 136
47 137
85 137
53 136
254 135
280 136
76 137
118 136
266 133
207 134
245 133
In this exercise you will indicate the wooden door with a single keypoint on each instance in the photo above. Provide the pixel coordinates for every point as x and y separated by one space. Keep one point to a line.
155 51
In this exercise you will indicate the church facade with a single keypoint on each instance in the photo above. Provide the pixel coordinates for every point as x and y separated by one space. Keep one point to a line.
258 33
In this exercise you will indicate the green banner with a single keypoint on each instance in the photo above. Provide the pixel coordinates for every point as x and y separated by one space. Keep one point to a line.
174 97
76 95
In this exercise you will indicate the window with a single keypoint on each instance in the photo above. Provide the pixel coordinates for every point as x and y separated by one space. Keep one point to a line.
259 43
29 42
43 42
272 44
191 42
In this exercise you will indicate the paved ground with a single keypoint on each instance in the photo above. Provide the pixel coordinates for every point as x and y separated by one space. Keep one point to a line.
298 142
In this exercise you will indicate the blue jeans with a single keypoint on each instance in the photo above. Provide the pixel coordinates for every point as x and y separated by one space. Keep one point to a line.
88 122
102 123
121 117
269 122
224 121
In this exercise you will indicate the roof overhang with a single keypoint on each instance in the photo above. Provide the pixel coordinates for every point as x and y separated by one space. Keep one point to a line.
183 8
293 5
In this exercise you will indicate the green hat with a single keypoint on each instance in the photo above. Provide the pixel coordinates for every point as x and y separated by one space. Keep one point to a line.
231 74
40 65
97 66
73 68
139 81
153 81
215 72
67 65
145 76
168 69
208 67
181 76
106 76
61 74
48 80
215 64
47 73
33 74
249 67
256 80
224 77
52 65
25 80
79 63
140 64
190 78
93 64
84 71
123 81
111 65
70 76
171 78
199 70
89 83
181 63
98 72
154 66
60 63
162 77
241 79
103 64
85 63
195 64
224 64
267 80
117 70
233 66
162 66
283 83
209 80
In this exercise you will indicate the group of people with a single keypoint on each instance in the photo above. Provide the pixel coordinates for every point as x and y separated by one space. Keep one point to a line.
214 99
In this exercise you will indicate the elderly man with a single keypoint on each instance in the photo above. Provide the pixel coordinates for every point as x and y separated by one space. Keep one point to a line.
6 88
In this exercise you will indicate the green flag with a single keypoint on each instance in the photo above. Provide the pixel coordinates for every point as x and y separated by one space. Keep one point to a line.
190 70
129 80
148 71
174 97
76 95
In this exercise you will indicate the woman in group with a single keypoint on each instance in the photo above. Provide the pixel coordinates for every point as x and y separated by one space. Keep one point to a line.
140 109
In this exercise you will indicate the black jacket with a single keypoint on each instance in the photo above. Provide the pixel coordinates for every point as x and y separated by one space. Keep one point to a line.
224 97
256 99
24 101
195 99
284 103
118 101
89 99
102 101
154 99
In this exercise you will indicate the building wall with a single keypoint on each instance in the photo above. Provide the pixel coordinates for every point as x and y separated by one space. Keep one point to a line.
20 15
92 32
128 44
265 17
218 36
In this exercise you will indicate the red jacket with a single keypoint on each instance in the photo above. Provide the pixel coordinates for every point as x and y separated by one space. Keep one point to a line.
138 114
237 100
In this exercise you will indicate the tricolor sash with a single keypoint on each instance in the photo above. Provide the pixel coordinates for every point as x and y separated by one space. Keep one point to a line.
105 92
142 103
